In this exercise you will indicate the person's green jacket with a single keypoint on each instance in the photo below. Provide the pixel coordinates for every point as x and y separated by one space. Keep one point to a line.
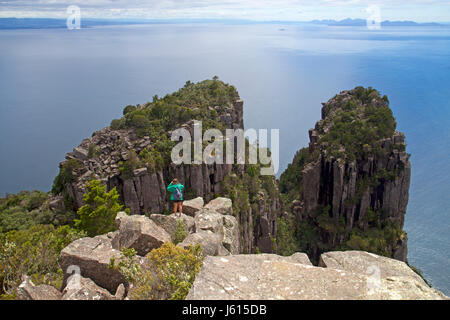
171 188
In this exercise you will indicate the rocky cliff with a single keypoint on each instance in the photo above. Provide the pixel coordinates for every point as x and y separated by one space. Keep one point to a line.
133 156
350 187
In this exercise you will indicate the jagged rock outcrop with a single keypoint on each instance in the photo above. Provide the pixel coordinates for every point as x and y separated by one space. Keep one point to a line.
191 207
27 290
267 277
217 233
139 233
355 175
91 258
80 288
221 205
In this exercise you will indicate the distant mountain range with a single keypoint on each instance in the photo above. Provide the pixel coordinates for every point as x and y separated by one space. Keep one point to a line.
48 23
362 22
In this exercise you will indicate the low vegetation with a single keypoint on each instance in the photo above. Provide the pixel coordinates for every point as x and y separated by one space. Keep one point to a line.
26 209
358 125
167 273
33 251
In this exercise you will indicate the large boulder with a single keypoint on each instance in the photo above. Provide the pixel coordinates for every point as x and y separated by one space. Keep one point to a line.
225 229
191 207
80 288
209 220
90 257
221 205
267 277
209 241
28 291
140 233
169 223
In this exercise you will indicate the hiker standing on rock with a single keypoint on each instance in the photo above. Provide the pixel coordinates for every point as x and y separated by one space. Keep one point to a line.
176 189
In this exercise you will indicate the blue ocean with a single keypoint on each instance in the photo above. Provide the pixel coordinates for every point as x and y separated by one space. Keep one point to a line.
58 86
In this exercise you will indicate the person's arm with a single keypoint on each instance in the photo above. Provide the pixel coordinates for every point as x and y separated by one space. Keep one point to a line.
181 187
170 187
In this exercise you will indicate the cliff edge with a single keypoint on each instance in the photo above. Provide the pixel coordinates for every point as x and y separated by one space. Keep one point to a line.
349 188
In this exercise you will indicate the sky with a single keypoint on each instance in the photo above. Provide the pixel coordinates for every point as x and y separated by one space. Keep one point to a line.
260 10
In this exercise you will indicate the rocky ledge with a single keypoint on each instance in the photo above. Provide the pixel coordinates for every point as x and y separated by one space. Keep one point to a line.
352 275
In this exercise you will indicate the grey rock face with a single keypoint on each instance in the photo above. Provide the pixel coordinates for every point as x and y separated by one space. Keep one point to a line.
120 292
209 220
169 223
209 241
267 277
79 288
119 218
28 291
191 207
91 257
140 233
218 234
221 205
230 233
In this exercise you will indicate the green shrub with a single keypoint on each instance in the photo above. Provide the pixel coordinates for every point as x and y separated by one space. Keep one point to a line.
287 243
26 209
128 265
291 178
116 124
65 175
93 151
359 123
180 232
128 109
97 216
34 252
168 273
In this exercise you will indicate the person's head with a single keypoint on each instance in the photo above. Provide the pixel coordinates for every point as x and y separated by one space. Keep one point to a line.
175 181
